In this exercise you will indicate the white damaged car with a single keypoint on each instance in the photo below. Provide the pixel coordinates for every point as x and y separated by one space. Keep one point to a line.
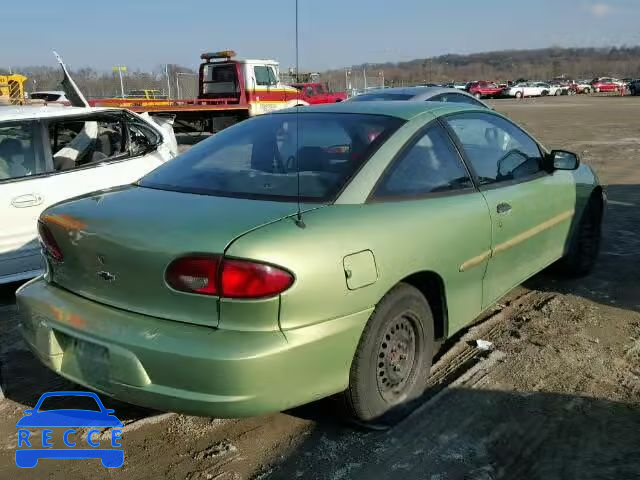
49 154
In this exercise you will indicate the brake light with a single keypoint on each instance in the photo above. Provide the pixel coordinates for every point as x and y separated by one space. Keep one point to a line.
194 275
48 242
227 278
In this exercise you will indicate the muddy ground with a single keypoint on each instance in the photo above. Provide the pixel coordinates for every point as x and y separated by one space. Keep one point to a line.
557 398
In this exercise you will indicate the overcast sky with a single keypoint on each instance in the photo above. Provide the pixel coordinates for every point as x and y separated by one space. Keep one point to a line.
333 33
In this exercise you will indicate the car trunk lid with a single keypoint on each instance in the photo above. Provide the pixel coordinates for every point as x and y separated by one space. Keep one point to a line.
118 244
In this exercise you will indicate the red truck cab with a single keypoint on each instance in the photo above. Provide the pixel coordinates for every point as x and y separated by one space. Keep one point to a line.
484 89
315 92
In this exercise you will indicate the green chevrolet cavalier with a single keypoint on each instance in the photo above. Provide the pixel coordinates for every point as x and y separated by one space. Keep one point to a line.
302 254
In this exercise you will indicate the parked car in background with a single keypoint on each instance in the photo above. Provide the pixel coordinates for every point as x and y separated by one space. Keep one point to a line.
634 87
606 84
528 89
457 85
582 86
484 89
549 89
315 93
431 94
305 253
563 87
50 96
51 154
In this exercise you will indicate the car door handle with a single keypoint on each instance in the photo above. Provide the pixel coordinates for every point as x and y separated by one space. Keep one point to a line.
503 208
29 200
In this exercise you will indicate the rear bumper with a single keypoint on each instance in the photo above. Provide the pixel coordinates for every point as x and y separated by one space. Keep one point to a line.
181 367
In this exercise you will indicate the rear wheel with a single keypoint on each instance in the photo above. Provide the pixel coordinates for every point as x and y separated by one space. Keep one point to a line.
585 244
558 92
393 358
477 95
597 90
518 94
587 90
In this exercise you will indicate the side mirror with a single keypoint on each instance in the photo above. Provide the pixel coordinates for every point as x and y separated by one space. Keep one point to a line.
563 160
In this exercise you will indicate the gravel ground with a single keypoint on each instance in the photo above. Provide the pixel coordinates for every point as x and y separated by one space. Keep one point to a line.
557 397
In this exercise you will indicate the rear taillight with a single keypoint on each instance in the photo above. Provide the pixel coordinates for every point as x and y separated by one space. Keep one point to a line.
49 244
228 278
194 275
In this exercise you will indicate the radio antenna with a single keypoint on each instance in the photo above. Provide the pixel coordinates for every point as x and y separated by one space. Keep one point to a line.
298 220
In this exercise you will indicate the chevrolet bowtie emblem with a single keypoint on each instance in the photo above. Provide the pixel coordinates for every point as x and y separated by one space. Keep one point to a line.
106 276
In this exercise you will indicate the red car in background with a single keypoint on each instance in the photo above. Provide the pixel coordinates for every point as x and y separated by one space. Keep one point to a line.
484 89
315 93
606 84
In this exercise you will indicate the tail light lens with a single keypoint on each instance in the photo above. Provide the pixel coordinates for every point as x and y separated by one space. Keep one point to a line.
227 278
194 275
49 244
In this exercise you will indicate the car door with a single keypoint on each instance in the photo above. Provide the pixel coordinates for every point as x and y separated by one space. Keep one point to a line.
22 195
429 194
530 208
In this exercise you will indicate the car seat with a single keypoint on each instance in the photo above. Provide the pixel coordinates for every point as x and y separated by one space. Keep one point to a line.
312 159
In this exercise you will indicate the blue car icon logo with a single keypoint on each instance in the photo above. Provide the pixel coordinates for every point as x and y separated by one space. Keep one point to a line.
32 447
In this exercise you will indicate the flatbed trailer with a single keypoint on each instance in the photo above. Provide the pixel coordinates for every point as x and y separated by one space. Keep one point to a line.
191 115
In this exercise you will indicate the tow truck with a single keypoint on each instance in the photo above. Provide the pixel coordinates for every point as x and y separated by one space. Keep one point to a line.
229 90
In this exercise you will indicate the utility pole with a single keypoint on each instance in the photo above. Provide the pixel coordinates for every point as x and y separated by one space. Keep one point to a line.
166 69
120 69
347 76
364 75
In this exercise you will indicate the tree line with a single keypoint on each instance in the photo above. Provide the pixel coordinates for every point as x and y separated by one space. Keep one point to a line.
538 64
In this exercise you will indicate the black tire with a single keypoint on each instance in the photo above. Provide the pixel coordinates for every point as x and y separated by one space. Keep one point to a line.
583 250
393 358
558 92
545 93
518 94
587 90
477 95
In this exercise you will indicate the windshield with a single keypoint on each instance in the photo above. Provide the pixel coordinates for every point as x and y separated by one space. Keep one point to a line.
381 97
258 158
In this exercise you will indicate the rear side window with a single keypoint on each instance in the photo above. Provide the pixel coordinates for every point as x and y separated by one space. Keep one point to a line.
220 79
456 98
498 150
260 157
430 164
47 97
381 97
87 141
17 151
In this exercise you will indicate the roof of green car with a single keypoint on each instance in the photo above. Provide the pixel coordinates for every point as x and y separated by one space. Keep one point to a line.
404 109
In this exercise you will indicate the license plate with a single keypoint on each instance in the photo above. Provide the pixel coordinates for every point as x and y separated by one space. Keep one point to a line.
93 360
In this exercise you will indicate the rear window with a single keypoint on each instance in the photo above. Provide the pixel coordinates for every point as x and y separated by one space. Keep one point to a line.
381 97
259 158
220 79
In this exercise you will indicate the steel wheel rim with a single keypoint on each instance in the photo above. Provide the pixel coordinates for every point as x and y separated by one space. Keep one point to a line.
397 353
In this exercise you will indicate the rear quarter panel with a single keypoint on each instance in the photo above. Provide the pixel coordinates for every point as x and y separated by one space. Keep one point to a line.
405 238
